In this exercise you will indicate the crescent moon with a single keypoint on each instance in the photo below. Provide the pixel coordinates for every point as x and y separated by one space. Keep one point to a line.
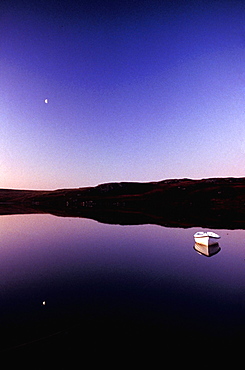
46 101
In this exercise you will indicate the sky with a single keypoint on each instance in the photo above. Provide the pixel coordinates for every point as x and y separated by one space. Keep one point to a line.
136 91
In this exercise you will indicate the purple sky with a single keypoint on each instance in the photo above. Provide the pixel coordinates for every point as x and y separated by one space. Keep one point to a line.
137 91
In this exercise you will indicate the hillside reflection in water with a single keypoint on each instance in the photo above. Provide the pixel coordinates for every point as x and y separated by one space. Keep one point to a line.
113 280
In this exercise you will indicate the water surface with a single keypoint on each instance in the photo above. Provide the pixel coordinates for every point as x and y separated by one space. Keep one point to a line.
79 281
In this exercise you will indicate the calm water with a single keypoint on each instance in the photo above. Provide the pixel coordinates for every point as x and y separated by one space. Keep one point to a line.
78 281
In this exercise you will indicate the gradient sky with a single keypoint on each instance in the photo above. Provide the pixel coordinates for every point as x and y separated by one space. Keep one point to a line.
137 91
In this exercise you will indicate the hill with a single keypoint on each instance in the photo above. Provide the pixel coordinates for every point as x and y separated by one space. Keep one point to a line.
213 202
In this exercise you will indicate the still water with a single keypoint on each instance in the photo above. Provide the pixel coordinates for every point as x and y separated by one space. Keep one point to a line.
77 280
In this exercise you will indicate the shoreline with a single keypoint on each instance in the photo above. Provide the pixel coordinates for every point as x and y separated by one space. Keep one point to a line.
213 203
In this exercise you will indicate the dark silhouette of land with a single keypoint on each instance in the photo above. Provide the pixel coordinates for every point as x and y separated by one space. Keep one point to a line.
212 203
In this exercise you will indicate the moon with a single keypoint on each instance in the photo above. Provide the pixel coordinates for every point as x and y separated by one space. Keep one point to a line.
46 101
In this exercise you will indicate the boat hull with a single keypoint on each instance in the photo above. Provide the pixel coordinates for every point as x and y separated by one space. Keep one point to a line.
206 240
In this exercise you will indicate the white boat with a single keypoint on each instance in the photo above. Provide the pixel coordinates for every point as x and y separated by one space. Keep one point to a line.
206 238
207 250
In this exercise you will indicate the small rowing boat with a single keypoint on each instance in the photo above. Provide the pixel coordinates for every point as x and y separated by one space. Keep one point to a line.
206 238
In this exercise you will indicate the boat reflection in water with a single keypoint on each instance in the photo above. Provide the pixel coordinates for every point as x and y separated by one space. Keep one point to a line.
207 250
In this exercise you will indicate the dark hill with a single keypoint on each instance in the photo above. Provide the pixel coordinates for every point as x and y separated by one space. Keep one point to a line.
214 202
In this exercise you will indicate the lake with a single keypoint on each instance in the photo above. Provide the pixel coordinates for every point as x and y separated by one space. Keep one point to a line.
77 283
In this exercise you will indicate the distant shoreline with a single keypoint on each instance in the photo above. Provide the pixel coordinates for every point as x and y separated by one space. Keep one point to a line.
212 203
